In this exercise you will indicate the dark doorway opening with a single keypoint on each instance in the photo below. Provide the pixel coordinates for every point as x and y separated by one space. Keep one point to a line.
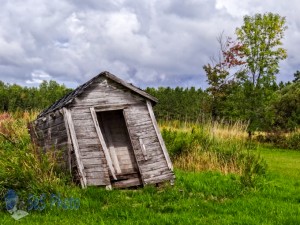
114 130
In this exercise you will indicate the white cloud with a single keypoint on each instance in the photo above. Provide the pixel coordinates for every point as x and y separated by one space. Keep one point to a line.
38 76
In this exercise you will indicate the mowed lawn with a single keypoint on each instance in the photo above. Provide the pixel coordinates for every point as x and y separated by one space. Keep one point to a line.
196 198
284 163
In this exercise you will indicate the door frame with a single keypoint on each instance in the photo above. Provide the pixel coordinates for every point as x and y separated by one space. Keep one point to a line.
121 107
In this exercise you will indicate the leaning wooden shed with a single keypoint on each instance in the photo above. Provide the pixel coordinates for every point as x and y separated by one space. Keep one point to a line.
106 133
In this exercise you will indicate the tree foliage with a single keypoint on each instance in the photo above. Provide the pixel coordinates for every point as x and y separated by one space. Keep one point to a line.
297 76
222 82
243 80
15 97
261 37
179 103
285 108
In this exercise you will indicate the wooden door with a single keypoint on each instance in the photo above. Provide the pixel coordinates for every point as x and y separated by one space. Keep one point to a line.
116 136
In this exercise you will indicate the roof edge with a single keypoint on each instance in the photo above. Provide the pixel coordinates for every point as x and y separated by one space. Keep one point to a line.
68 98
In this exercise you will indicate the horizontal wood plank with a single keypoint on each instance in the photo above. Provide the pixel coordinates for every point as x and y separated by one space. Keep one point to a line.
159 179
97 182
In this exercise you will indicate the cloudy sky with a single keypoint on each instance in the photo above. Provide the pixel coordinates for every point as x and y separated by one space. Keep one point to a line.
146 42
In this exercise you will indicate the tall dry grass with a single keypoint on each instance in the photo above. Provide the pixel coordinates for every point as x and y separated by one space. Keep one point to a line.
212 146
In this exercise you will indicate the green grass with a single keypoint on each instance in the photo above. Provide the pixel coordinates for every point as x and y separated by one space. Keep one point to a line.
282 162
196 198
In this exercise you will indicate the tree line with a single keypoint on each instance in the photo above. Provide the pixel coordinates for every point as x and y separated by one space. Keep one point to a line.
281 112
14 97
186 104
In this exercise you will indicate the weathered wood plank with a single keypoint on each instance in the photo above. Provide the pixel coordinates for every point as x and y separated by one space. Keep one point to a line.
96 175
161 141
159 179
155 158
138 108
135 150
92 166
95 94
148 166
140 124
88 148
148 142
82 123
92 169
97 182
93 161
86 133
79 111
70 126
141 113
111 107
151 155
129 172
88 155
127 183
157 172
141 128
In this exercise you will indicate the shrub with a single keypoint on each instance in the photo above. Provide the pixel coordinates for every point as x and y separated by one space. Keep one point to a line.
282 140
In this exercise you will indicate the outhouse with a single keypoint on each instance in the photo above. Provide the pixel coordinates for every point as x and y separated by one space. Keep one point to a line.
105 133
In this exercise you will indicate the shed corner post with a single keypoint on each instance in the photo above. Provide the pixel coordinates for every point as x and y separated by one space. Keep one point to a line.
71 128
160 139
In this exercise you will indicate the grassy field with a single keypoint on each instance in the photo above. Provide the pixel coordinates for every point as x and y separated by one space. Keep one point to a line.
210 164
284 163
196 198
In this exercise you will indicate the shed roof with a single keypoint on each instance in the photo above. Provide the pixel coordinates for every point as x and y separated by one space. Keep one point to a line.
67 99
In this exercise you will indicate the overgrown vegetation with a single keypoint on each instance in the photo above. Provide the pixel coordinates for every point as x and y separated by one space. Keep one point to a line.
210 193
213 147
22 166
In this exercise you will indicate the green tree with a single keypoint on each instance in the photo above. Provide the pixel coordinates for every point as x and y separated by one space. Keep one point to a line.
222 81
3 97
285 108
243 80
261 37
297 76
